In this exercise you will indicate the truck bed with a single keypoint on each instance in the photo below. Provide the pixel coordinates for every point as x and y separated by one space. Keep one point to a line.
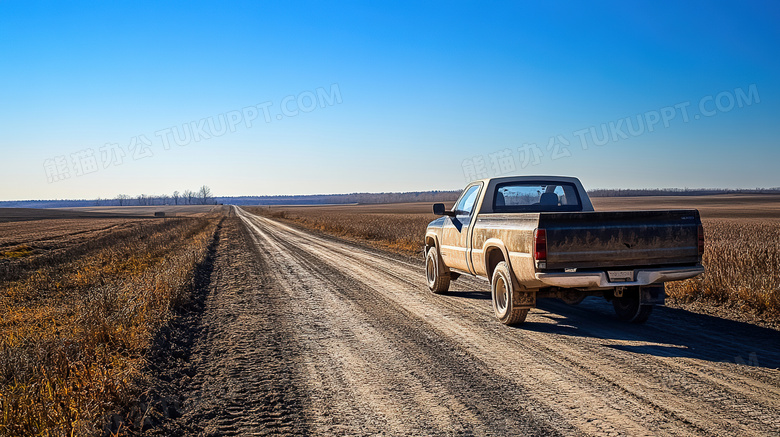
615 239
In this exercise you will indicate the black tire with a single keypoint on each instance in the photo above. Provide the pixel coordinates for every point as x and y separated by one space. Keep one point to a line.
573 297
438 282
505 297
628 308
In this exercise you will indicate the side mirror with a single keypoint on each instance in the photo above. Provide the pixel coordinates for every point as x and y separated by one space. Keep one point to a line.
438 209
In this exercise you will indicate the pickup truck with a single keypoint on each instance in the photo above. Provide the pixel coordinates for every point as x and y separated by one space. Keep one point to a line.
539 237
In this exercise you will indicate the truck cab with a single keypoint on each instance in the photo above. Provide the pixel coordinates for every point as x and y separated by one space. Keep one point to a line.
539 236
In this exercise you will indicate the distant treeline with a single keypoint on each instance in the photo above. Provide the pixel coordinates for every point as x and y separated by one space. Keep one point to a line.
677 192
188 197
320 199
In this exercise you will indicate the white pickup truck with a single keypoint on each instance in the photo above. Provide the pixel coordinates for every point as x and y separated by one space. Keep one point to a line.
538 236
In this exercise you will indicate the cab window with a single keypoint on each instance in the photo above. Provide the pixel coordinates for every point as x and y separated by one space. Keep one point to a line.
536 197
467 201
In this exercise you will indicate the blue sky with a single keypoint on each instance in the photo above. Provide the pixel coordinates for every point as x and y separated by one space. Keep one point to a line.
369 96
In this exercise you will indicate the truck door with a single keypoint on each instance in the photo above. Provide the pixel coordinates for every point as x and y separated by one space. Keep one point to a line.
455 233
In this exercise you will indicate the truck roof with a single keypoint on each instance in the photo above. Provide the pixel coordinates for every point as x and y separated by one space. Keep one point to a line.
490 184
550 178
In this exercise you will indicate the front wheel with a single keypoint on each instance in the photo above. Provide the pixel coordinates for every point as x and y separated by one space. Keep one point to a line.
438 281
628 308
505 297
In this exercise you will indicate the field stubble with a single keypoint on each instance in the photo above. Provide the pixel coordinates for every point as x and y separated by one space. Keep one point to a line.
742 262
742 255
76 320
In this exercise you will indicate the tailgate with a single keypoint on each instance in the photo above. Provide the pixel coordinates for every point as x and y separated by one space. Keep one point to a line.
621 238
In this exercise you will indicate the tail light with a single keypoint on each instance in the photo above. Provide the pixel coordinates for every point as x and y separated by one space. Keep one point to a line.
540 248
701 240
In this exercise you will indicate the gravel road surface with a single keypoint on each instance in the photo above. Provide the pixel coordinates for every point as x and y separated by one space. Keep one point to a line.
301 333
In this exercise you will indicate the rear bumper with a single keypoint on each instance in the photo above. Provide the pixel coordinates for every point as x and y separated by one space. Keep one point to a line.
594 280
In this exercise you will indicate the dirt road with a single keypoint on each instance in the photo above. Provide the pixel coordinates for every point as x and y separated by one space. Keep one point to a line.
306 334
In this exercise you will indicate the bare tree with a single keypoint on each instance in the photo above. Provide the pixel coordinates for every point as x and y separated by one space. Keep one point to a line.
204 195
164 199
122 199
175 197
189 195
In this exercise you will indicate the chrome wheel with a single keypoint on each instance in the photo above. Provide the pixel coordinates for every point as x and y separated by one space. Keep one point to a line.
430 269
501 298
506 300
438 282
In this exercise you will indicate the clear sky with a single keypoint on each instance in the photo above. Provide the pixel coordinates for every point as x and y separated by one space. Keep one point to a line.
256 98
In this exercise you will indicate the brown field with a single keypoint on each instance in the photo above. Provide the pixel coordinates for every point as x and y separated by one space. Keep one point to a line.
49 232
742 254
178 210
80 301
719 206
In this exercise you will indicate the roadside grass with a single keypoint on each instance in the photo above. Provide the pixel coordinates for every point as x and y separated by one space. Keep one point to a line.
742 256
742 263
73 333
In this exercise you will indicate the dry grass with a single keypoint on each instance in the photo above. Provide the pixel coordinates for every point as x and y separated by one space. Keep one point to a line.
75 324
742 255
742 261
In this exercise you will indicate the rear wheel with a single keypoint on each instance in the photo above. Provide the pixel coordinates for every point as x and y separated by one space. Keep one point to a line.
438 281
628 308
505 297
573 297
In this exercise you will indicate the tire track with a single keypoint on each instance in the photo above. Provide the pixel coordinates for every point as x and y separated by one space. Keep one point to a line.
243 374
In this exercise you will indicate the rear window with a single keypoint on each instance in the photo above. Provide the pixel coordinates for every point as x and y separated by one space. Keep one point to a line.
536 197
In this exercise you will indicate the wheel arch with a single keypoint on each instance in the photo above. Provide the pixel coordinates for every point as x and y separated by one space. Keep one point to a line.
432 241
494 252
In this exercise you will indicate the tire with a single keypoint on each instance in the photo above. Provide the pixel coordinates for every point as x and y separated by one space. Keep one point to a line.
505 297
628 308
438 282
573 297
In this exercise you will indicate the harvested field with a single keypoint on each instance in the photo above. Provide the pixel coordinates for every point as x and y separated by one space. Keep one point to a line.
86 214
720 206
80 301
51 233
31 214
178 210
